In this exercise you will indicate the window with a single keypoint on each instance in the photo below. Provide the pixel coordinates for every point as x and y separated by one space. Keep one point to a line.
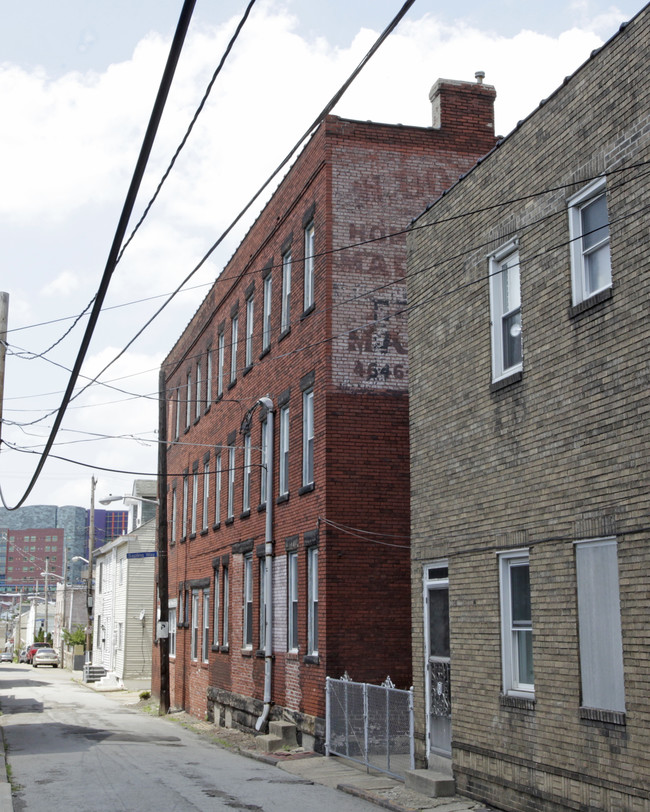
246 503
591 269
505 302
217 489
266 315
174 511
231 481
188 404
234 327
215 624
262 574
197 412
292 600
120 635
195 625
308 437
308 298
263 457
221 352
195 499
100 576
205 640
516 624
284 450
172 631
206 493
285 321
599 620
312 600
226 606
121 566
208 378
250 310
177 429
185 498
248 601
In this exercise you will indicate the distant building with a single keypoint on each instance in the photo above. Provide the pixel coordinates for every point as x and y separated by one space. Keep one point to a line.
25 554
530 441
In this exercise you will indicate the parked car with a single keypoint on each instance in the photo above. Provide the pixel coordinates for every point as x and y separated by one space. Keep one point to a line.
6 656
22 656
45 656
31 650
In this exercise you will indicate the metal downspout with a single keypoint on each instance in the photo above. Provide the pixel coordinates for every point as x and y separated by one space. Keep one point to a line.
268 567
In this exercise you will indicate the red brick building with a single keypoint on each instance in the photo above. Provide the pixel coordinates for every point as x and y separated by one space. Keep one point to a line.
28 553
310 313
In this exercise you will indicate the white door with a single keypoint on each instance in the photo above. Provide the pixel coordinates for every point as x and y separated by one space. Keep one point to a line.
436 623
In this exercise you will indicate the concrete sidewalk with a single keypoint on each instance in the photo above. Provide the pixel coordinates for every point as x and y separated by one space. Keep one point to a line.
335 772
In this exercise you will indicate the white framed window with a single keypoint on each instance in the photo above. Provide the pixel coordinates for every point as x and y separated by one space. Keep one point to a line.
250 316
599 623
226 605
195 625
505 306
199 391
246 500
185 505
591 269
284 451
312 600
248 601
308 293
195 500
206 493
516 624
234 331
179 614
292 601
177 429
262 583
285 315
221 355
308 437
231 481
217 489
215 619
188 404
263 457
174 511
120 636
205 640
208 378
266 314
172 630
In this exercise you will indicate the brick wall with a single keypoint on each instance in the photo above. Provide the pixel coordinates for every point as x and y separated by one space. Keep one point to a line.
552 457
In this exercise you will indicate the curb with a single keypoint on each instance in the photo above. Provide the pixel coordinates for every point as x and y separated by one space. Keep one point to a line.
6 798
374 799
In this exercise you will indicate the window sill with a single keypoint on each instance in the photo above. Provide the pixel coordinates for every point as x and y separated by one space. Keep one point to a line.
192 536
590 303
308 310
306 489
207 408
214 647
284 334
311 659
265 351
282 498
182 540
293 656
204 532
244 514
232 384
218 397
261 508
196 420
260 653
230 520
247 369
216 525
502 383
605 716
247 652
518 702
224 649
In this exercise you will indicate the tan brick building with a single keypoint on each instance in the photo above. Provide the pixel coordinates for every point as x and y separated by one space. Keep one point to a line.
530 439
309 312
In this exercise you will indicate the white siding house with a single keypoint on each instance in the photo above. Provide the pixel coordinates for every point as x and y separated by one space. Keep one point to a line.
123 622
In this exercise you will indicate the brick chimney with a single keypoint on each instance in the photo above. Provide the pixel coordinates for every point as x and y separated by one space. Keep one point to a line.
465 108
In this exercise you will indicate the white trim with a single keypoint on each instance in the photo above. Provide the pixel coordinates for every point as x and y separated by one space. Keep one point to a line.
579 286
501 263
511 684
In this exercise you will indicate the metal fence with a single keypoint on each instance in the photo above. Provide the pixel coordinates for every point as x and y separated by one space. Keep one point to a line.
371 724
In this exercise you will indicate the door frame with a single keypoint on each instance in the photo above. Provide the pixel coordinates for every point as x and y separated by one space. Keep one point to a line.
429 583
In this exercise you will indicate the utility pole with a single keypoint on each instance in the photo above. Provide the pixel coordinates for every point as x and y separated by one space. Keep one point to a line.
47 565
89 590
163 574
4 316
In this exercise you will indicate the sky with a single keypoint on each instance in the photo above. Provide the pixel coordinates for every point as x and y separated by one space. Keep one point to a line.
77 85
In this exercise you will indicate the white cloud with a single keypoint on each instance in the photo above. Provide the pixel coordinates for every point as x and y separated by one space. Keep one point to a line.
64 284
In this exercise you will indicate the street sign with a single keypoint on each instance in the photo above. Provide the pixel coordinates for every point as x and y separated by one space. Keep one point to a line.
151 554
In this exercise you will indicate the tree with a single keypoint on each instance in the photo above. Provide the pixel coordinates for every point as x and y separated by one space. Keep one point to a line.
77 637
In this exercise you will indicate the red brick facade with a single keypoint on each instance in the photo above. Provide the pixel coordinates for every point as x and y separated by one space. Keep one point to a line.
354 184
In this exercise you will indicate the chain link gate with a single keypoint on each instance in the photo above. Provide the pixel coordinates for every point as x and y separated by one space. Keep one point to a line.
371 724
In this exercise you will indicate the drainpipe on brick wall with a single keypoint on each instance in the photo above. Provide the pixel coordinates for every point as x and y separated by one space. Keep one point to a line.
268 566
